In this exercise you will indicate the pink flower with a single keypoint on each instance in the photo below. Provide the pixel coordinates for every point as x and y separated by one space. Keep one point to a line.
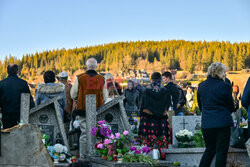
112 137
117 135
100 146
125 133
101 122
107 141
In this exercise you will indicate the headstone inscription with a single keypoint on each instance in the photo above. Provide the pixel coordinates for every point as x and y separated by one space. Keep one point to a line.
48 117
191 123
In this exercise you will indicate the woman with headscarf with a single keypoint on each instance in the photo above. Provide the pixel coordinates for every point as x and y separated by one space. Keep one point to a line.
131 99
154 120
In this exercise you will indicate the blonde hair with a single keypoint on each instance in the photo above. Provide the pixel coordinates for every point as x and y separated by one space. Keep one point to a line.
217 70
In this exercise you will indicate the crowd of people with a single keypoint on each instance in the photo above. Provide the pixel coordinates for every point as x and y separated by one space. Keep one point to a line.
154 104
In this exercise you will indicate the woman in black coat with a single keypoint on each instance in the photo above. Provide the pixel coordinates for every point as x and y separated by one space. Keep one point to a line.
216 104
154 126
131 101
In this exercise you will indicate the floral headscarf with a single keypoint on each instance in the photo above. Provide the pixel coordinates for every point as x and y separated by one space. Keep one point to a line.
156 85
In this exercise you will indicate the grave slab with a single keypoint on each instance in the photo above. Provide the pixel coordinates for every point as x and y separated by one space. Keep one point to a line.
190 157
98 162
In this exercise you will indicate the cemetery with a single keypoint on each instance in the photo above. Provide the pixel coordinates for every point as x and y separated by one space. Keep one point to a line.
130 83
42 127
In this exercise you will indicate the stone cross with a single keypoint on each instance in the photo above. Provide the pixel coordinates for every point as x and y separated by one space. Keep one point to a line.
90 122
25 104
184 123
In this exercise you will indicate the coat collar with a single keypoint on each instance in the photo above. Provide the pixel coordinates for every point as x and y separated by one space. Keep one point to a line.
91 73
50 88
216 78
13 75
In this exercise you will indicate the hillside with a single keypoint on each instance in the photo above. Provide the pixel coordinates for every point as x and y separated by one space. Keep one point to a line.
122 56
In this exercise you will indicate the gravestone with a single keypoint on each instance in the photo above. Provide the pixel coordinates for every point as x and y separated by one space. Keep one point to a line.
23 146
47 117
113 112
191 123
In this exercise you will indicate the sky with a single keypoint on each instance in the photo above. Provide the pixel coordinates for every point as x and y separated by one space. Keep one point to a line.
29 26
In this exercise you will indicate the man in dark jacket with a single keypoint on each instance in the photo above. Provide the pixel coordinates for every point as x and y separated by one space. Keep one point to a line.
173 90
181 102
11 89
245 101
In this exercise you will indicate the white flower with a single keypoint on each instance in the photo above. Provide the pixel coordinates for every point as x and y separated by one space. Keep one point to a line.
184 132
58 148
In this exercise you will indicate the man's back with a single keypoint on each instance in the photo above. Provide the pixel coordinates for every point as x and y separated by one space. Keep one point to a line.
90 83
11 89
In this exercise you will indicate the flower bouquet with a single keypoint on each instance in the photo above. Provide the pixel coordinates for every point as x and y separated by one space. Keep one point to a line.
118 147
114 146
184 138
101 130
59 153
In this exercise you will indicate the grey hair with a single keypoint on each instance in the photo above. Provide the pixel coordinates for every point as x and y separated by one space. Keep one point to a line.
216 70
91 64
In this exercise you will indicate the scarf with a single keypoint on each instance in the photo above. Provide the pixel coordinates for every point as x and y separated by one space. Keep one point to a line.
156 86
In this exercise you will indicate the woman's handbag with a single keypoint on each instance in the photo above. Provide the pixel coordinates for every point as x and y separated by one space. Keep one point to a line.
239 136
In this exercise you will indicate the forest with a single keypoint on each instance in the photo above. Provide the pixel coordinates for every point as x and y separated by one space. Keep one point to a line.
123 56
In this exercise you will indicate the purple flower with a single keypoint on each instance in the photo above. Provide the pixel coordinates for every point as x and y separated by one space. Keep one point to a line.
117 135
101 122
105 131
135 120
137 151
125 133
146 150
132 148
134 142
107 141
100 146
93 131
